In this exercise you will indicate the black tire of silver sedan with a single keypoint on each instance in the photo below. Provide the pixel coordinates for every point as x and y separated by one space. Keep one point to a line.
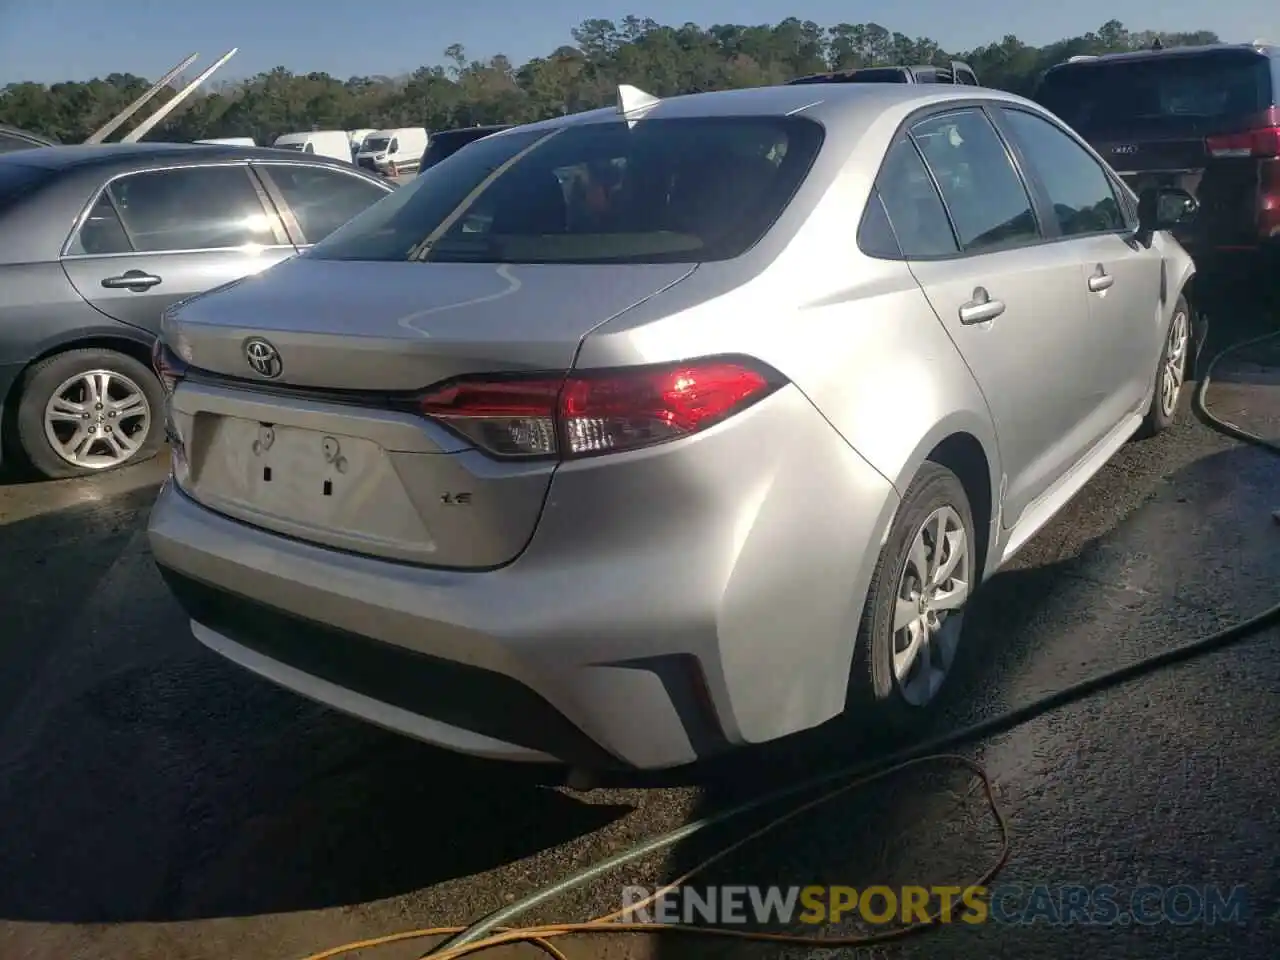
914 614
1171 373
87 411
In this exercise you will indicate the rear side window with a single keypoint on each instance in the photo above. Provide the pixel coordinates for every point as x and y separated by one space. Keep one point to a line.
984 194
1082 196
322 200
913 207
102 233
192 208
658 191
10 142
1161 91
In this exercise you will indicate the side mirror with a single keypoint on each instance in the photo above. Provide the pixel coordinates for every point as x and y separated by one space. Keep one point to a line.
1163 208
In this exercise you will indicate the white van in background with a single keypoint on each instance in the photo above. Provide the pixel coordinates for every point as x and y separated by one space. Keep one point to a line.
232 141
356 137
395 152
326 143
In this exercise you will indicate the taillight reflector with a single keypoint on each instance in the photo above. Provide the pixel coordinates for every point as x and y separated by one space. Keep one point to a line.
1263 142
585 414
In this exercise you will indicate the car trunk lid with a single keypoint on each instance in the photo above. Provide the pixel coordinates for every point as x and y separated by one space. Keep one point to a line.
379 326
331 450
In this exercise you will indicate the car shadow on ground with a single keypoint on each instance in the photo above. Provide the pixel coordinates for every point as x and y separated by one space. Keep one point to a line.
1029 632
142 778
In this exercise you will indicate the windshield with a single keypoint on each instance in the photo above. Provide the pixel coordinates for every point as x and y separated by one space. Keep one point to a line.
1167 90
18 181
377 144
289 146
660 191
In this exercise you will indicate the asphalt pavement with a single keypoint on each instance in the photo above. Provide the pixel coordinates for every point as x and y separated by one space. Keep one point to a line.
156 802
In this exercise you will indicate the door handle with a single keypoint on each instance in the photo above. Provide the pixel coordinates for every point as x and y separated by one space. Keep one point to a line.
1101 280
134 280
981 308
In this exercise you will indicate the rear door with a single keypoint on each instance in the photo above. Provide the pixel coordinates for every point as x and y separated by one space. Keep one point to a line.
1150 118
1011 303
155 237
1120 276
314 201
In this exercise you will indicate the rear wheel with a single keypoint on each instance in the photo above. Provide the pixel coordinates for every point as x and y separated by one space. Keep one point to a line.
1171 373
88 411
911 625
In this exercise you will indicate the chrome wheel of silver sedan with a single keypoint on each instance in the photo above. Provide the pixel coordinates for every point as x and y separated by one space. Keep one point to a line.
97 420
1174 371
927 619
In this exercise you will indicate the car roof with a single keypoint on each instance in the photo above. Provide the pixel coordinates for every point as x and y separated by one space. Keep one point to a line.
125 155
826 103
478 129
1262 49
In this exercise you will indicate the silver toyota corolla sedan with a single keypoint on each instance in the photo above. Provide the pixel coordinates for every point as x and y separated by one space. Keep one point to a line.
630 437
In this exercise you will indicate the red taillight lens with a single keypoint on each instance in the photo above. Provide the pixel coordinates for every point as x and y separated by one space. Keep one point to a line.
169 367
593 413
1262 142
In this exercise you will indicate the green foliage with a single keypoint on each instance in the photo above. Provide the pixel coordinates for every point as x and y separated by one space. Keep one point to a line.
664 60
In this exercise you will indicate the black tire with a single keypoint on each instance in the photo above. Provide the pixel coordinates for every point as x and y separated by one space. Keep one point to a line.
873 685
1159 418
37 388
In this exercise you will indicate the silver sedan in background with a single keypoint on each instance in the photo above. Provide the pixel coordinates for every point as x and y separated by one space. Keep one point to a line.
630 437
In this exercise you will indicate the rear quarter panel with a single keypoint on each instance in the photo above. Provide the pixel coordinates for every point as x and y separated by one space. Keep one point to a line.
859 340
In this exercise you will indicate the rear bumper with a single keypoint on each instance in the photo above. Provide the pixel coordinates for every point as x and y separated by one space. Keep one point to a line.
657 618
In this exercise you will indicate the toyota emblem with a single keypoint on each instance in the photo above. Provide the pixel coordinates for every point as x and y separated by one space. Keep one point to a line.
263 357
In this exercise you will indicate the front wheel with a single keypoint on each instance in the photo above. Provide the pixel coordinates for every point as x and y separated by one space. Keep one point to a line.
911 625
87 411
1171 373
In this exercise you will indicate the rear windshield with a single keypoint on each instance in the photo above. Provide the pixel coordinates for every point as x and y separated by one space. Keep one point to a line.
659 191
1168 90
17 181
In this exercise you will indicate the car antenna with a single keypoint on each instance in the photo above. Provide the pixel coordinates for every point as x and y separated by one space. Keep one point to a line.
634 100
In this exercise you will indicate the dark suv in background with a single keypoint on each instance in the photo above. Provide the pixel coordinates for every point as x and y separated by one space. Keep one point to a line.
448 142
1205 119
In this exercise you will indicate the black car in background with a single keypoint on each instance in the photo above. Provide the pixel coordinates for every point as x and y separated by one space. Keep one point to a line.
15 138
1205 119
96 241
448 142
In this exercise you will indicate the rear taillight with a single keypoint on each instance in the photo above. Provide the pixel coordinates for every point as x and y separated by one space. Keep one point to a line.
169 367
584 414
1260 139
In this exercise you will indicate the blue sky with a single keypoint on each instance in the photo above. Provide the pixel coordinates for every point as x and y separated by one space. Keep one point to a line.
48 40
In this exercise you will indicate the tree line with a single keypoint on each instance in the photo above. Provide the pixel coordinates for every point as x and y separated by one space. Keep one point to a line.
663 60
